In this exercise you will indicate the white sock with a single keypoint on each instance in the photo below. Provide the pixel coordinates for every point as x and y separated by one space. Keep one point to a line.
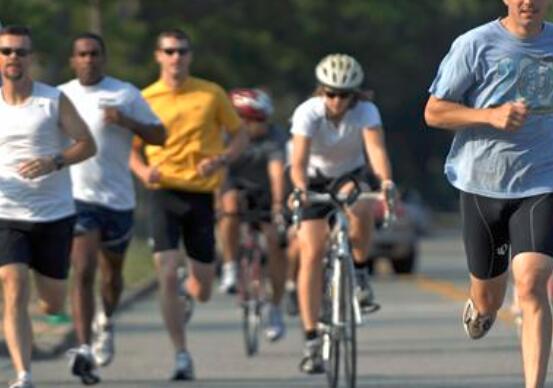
24 376
290 285
230 266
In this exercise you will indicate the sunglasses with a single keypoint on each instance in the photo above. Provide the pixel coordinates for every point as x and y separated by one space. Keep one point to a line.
182 51
91 53
340 95
20 52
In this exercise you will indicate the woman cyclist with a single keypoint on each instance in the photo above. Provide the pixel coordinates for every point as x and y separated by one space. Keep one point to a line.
337 132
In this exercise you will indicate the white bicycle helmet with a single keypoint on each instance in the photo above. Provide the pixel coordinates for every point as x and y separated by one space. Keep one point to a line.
339 71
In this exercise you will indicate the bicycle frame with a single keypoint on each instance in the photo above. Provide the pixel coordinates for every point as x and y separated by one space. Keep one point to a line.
341 250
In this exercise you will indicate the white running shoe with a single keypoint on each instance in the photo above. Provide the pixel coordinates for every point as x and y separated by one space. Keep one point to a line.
103 348
229 278
20 384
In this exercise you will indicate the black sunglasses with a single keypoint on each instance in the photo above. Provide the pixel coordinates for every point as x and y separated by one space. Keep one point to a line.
181 50
91 53
341 95
20 52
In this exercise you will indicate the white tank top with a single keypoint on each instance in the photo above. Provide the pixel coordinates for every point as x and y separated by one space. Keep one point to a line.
28 131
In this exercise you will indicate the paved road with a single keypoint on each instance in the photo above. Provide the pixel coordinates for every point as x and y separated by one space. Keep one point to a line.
416 340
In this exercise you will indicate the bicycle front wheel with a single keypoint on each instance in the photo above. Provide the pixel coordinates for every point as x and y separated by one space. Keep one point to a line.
348 335
251 325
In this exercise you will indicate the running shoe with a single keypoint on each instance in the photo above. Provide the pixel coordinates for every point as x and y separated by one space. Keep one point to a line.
275 328
20 384
476 325
103 348
184 367
81 364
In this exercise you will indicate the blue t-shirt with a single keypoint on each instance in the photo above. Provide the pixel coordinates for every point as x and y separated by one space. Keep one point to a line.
486 67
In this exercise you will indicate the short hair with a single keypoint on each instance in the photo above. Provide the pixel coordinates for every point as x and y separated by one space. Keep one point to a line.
176 33
89 35
16 30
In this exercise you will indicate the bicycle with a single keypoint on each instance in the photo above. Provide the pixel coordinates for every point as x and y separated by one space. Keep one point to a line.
341 312
251 280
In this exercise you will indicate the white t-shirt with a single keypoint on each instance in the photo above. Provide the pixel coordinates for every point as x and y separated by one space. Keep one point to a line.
29 131
335 150
105 179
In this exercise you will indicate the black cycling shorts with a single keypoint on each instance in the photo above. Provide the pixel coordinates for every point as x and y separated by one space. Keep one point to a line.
494 230
178 214
44 247
322 184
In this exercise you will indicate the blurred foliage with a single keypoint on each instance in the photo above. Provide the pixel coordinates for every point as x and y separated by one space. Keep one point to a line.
277 43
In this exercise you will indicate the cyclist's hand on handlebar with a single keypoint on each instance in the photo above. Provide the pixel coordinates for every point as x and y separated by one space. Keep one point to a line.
389 191
298 198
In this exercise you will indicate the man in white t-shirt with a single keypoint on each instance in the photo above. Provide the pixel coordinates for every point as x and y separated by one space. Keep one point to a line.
104 196
40 134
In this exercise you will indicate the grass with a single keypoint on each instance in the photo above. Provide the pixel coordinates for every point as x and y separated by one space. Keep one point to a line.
139 265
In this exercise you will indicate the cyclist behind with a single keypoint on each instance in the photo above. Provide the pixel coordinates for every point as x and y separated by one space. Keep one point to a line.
261 168
333 132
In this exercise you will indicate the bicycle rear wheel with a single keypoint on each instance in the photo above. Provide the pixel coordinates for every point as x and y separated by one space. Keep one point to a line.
348 335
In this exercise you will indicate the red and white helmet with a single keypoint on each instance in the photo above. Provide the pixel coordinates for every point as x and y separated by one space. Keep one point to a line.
253 104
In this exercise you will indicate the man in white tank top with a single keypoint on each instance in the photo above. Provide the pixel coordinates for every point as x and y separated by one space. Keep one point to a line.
103 190
40 134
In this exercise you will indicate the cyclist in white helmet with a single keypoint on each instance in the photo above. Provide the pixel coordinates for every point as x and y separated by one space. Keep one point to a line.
337 132
259 170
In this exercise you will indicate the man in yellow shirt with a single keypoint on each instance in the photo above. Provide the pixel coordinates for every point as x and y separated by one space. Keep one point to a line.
182 176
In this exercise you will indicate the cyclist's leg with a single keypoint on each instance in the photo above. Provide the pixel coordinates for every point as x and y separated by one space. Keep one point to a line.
361 227
277 262
229 229
532 247
17 324
312 238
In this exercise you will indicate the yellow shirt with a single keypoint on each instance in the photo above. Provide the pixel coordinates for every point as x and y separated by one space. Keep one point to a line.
196 116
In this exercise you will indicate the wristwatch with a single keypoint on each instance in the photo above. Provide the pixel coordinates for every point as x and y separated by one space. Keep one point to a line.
59 161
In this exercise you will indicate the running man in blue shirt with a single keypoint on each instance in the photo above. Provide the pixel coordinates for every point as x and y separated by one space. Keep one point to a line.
494 89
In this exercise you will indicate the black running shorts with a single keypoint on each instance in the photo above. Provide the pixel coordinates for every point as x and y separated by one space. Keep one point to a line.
43 246
178 214
494 230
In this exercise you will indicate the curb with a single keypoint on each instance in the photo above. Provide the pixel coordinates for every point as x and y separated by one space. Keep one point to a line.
65 338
